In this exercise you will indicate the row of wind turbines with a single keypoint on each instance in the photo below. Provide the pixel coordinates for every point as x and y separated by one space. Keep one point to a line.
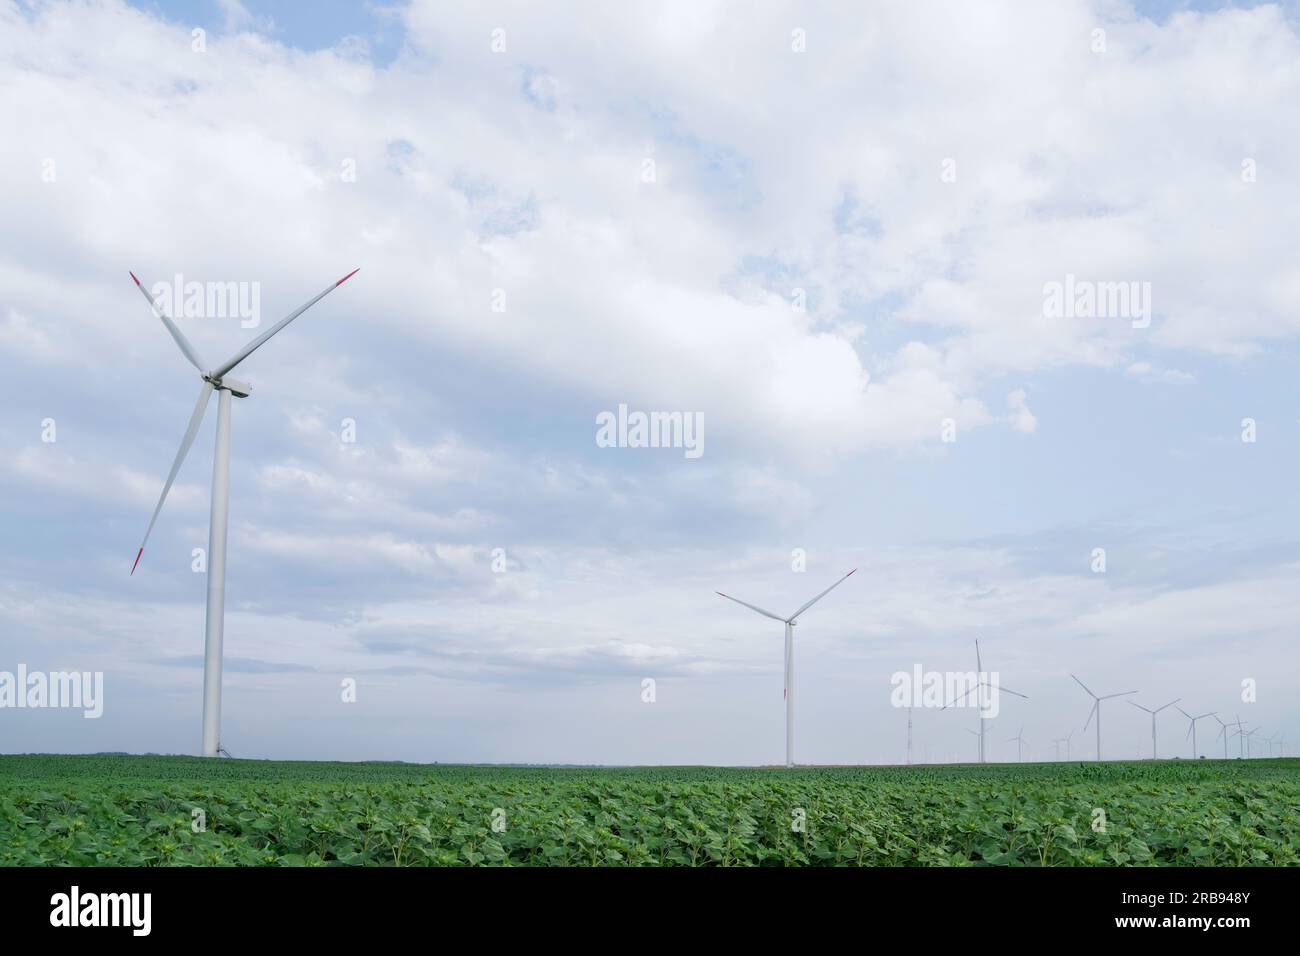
1227 729
216 378
982 684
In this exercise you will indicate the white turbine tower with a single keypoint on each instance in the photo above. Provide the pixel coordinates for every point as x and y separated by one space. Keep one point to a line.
214 379
1191 730
1096 708
789 623
909 735
980 682
1154 754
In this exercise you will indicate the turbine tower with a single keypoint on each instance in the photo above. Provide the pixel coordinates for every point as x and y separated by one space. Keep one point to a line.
980 682
215 378
789 623
909 735
1096 708
1154 755
1191 730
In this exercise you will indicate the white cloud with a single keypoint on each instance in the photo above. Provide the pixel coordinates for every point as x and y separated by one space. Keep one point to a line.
1088 180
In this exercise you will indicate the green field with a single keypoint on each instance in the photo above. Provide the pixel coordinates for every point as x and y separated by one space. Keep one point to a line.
109 810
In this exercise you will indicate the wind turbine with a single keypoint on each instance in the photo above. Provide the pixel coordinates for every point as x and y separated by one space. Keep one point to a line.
1019 738
1154 755
215 378
1223 732
1191 730
1238 733
1096 708
981 682
789 623
1063 740
1248 735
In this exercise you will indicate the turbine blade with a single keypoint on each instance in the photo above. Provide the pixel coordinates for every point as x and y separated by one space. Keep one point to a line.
1187 715
1085 687
1138 706
979 664
1008 690
1170 704
820 596
181 340
1123 693
961 698
752 607
262 339
1095 705
1190 727
196 419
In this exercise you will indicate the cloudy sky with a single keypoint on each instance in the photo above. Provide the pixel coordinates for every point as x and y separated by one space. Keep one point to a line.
825 231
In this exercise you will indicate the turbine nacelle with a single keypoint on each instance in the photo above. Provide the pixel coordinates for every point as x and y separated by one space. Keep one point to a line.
235 388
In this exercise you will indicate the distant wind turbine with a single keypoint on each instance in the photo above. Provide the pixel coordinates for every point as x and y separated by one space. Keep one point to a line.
1249 738
1191 730
215 379
1154 754
1019 738
1223 732
1063 740
980 682
1238 733
1096 708
789 623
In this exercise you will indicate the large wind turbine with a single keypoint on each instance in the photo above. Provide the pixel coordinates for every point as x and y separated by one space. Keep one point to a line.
1191 731
980 682
215 378
1096 708
1154 754
789 623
